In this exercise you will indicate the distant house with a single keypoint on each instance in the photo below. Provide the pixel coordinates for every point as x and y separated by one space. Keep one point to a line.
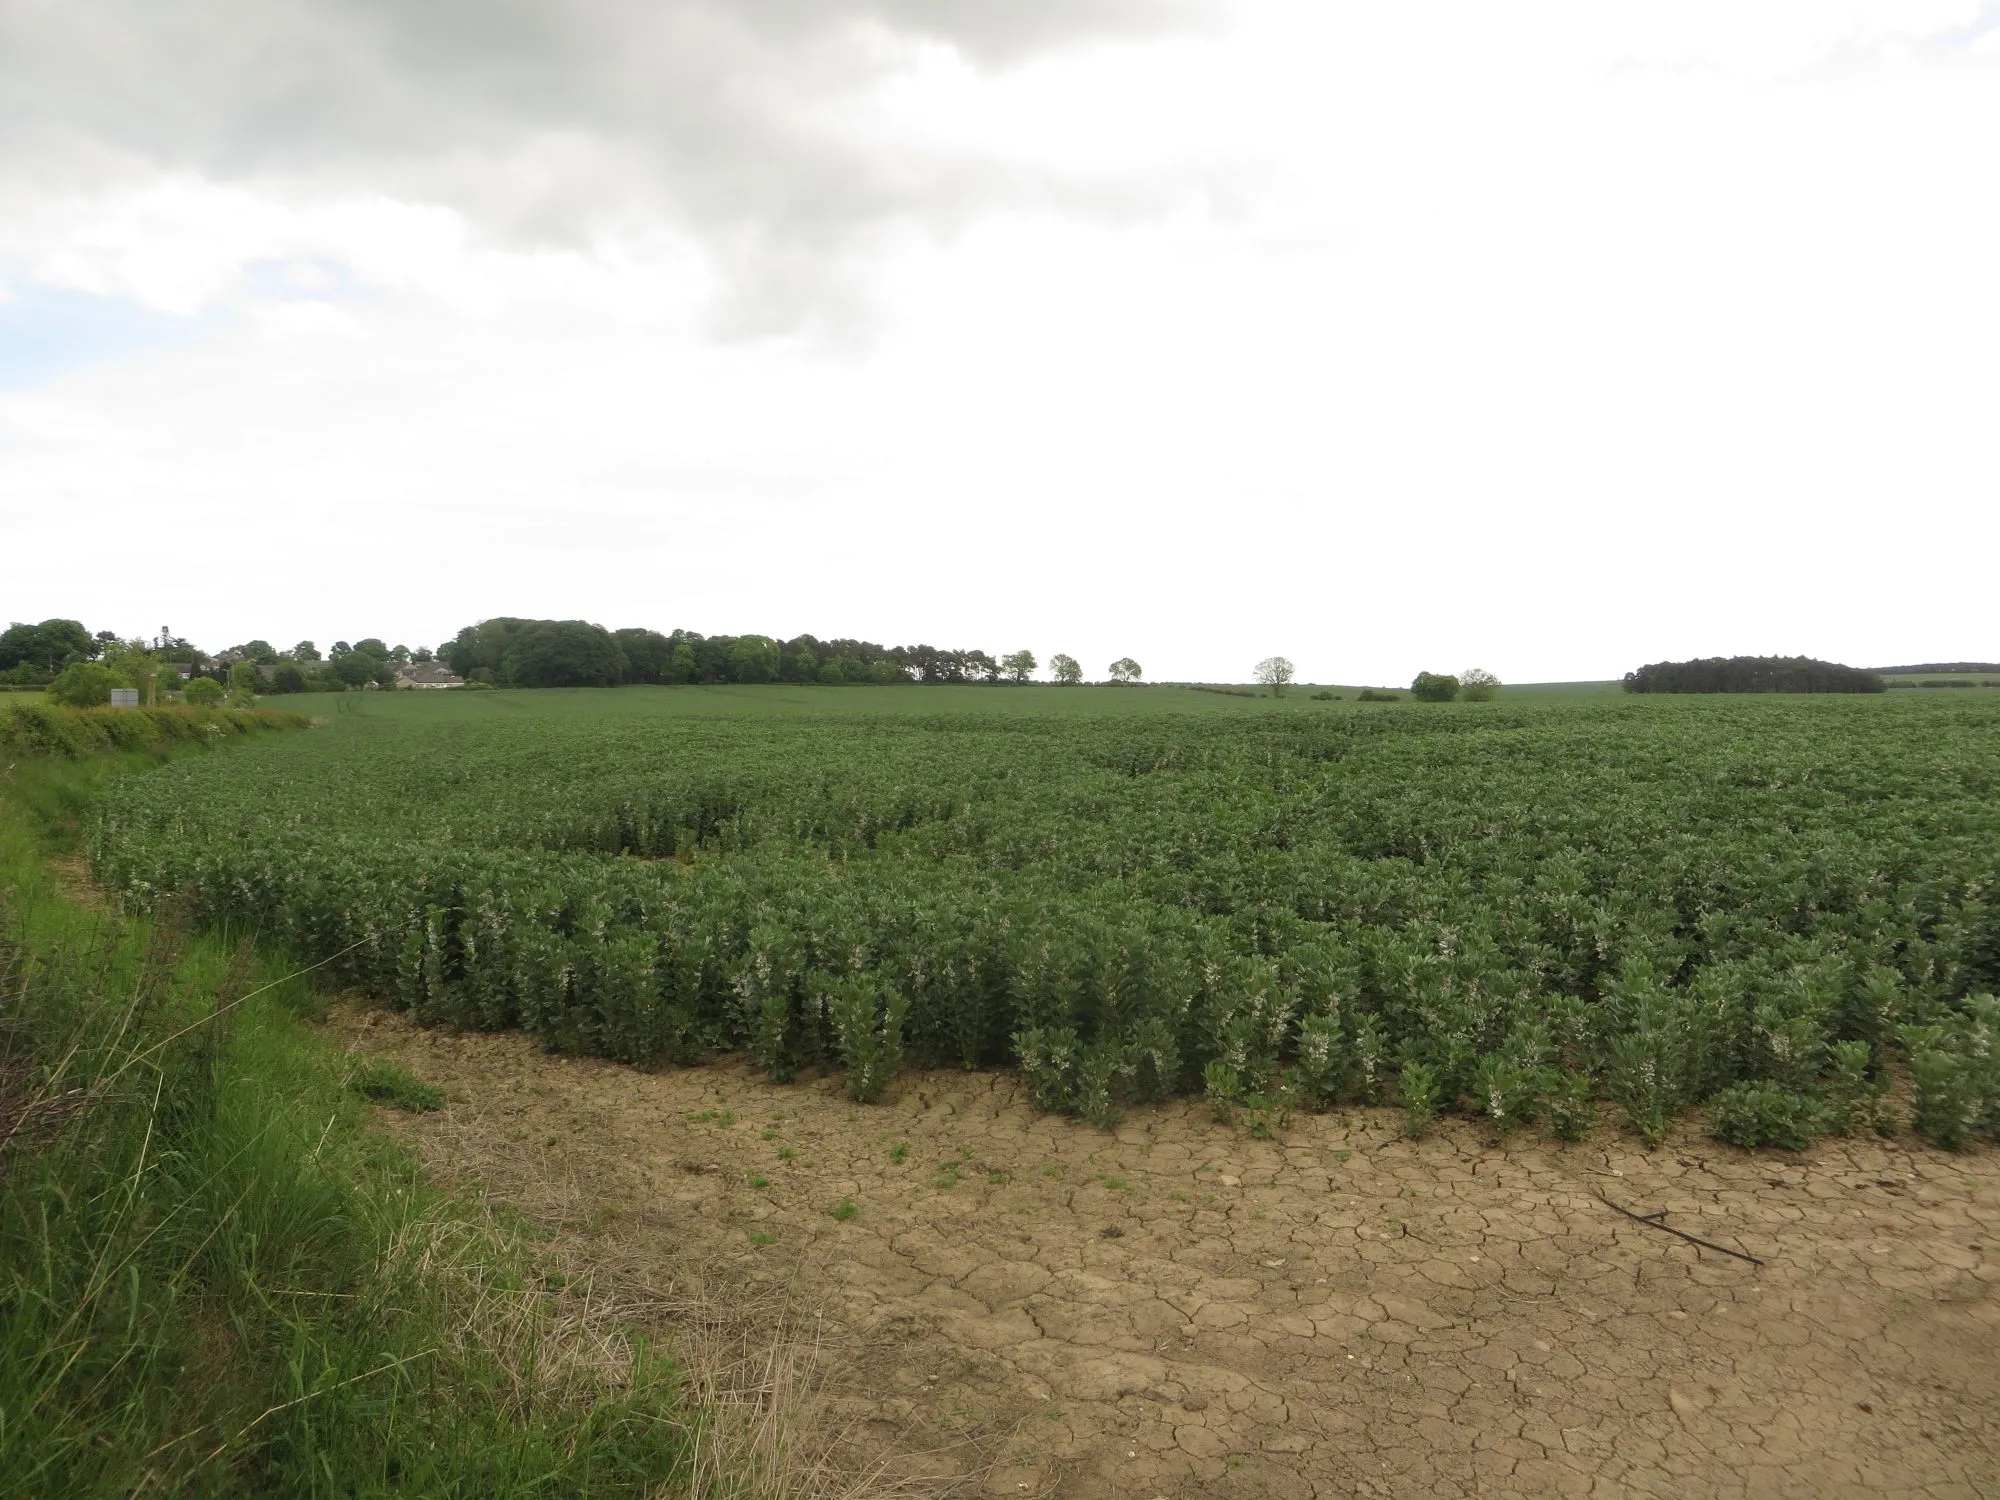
426 674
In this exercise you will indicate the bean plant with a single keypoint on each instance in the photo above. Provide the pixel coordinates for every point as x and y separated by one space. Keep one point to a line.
1761 905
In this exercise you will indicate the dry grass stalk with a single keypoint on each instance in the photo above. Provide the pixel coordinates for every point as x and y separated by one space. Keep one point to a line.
754 1355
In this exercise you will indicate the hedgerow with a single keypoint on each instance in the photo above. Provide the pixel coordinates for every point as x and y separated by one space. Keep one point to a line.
1650 901
35 729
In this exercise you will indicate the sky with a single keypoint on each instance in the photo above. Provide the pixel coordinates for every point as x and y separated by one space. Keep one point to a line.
1553 338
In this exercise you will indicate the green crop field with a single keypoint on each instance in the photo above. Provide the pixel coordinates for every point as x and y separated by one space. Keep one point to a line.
1771 905
1942 680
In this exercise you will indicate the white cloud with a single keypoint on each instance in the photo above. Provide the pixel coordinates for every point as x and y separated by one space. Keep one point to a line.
1555 337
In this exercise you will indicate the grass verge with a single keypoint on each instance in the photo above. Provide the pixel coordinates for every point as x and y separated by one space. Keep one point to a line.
217 1278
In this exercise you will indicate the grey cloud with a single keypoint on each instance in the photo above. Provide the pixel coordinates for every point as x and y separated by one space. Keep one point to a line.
542 120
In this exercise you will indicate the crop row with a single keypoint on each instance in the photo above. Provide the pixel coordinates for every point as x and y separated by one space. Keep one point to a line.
1762 906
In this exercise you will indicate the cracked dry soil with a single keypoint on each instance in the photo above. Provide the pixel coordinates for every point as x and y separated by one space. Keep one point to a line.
1024 1305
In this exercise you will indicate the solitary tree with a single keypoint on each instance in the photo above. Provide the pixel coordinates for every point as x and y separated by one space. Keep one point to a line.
1064 669
1124 670
1477 685
1274 672
1434 687
1019 665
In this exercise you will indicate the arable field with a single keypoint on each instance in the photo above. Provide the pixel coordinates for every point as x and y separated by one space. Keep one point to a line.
1261 944
1931 681
1762 904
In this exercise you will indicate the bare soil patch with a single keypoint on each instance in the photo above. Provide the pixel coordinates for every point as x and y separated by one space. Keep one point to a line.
1023 1305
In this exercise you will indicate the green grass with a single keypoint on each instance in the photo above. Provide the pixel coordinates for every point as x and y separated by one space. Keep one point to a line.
218 1278
382 1082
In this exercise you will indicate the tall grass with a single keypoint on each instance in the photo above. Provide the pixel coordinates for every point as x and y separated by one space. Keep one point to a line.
218 1279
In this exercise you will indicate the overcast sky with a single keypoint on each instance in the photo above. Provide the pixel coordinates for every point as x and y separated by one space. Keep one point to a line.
1548 337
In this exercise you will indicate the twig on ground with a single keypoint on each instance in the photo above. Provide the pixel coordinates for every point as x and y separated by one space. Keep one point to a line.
1652 1221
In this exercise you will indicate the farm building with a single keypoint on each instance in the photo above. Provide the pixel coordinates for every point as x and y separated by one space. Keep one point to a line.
426 674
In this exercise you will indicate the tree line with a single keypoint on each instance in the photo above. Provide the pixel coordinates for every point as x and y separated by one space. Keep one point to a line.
78 666
1752 674
513 652
508 652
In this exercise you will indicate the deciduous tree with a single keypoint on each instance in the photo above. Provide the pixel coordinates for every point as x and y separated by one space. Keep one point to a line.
84 684
562 653
1477 685
1434 687
1019 665
754 658
649 656
1124 671
1275 672
136 666
47 647
1752 674
1065 669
